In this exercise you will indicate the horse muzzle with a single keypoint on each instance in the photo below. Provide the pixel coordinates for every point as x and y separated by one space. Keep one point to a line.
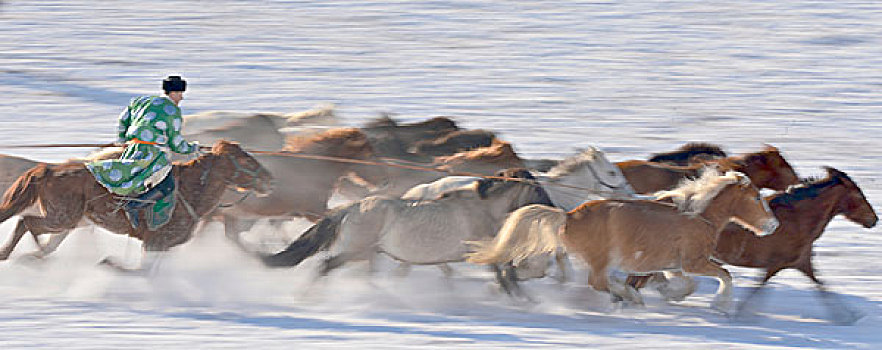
770 226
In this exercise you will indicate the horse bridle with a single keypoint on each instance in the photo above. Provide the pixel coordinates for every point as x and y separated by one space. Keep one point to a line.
253 173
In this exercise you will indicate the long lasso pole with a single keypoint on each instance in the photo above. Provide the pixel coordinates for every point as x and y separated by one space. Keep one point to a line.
318 157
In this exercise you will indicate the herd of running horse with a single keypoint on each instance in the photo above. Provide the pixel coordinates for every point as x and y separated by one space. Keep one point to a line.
679 214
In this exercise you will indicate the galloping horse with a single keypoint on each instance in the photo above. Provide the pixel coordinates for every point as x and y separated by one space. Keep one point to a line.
303 186
766 169
575 180
426 232
804 212
483 161
693 152
637 235
68 193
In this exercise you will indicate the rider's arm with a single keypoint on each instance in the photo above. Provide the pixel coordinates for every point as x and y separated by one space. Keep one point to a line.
176 141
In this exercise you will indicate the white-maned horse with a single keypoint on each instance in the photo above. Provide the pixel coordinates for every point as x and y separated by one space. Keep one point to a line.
426 232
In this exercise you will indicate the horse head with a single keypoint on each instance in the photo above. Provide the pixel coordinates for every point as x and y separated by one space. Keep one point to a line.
591 169
853 204
747 203
769 169
246 173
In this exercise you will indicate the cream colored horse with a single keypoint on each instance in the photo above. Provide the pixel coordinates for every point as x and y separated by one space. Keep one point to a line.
638 236
417 232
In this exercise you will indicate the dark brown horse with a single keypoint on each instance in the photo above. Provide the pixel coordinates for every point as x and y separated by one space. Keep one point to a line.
394 140
766 169
68 193
804 212
457 141
693 152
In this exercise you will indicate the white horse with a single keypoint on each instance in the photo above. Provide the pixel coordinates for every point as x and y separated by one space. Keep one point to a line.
426 232
586 176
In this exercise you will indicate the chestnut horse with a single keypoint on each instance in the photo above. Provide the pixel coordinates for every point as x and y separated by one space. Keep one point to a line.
804 211
68 193
637 235
766 169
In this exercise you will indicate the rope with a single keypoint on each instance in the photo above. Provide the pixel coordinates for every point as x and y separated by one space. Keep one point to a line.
386 163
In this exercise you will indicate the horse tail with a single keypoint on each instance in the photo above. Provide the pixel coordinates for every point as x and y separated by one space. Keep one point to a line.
318 237
23 192
529 231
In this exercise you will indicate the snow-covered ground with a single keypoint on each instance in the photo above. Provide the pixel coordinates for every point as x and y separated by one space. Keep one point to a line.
632 77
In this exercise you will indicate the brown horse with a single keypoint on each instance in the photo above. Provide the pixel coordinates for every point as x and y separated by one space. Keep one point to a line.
394 140
804 212
304 186
637 235
484 161
457 141
693 152
68 193
766 169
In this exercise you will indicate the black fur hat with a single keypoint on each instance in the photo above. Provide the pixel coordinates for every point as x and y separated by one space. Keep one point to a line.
174 83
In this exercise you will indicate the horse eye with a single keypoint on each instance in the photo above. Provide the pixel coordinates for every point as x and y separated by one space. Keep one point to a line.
612 173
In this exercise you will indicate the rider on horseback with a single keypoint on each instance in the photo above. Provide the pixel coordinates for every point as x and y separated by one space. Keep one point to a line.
150 127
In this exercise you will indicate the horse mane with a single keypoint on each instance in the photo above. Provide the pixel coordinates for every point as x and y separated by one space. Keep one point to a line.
693 196
323 110
809 187
326 140
384 120
701 147
574 163
497 152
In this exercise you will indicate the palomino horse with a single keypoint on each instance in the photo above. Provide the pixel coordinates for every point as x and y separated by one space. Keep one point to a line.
637 235
804 211
68 193
767 169
425 232
693 152
303 186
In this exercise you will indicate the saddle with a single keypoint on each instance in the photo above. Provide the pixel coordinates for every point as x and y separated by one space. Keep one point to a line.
157 204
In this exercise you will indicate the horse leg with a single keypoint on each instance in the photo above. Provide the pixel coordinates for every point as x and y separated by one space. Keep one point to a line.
446 270
50 246
331 263
233 228
403 269
705 267
624 292
20 229
666 285
752 298
39 225
560 257
839 312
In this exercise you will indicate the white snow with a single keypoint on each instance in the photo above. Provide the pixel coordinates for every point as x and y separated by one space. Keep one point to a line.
631 77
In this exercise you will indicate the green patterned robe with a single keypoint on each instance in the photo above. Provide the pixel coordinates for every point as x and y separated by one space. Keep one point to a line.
142 166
